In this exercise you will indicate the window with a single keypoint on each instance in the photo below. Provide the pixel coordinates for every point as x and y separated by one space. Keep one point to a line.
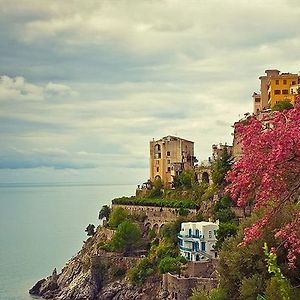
209 234
293 82
190 232
197 233
284 81
277 81
277 92
157 155
157 169
285 92
169 169
169 161
203 248
257 100
168 153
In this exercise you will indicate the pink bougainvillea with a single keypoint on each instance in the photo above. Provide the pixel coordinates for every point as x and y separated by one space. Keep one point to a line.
268 173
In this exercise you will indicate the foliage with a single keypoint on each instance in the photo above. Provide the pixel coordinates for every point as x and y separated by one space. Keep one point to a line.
141 271
214 294
251 287
282 105
220 167
280 283
117 216
164 249
171 264
104 212
268 173
222 209
158 202
225 231
218 294
90 230
156 190
126 236
185 180
151 234
237 263
228 223
170 230
183 212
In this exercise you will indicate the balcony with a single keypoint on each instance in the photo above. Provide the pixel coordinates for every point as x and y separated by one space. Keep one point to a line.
192 236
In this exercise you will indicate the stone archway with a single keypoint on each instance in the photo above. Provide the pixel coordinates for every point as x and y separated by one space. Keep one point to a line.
205 177
155 227
161 227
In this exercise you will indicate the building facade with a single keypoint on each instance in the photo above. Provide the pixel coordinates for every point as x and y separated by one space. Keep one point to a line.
169 156
275 87
197 240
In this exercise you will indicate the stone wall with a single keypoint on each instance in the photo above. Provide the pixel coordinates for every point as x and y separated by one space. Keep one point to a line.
156 216
201 269
241 212
180 288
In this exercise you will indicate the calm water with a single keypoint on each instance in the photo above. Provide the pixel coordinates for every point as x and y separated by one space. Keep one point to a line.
41 227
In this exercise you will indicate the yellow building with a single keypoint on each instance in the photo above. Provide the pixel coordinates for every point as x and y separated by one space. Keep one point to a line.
169 156
279 88
275 87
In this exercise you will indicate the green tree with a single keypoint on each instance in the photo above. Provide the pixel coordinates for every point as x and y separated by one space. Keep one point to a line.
225 231
126 236
90 230
220 167
156 190
172 264
214 294
282 105
251 287
141 271
117 216
104 212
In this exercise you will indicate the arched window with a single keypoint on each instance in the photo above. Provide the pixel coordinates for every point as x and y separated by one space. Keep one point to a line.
157 151
205 177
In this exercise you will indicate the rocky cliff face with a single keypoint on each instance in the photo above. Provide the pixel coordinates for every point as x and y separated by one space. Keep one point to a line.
93 275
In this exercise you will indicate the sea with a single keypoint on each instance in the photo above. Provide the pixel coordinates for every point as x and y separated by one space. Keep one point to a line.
42 226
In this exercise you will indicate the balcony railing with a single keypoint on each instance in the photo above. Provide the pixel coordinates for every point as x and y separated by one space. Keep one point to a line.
191 236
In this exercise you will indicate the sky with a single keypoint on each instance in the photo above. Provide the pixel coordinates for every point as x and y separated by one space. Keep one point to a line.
85 85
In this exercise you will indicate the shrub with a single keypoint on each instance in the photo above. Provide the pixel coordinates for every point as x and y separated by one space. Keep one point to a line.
104 212
251 287
171 264
117 216
183 212
141 271
126 237
90 230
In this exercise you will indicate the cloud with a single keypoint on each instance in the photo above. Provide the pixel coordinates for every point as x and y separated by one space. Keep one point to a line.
86 85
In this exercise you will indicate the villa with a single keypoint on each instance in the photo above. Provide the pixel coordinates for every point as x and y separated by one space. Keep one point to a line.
197 240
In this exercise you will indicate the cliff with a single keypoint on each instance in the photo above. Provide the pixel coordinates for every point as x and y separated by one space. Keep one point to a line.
95 274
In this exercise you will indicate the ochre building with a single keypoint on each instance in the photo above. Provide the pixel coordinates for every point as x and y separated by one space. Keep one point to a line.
275 87
169 156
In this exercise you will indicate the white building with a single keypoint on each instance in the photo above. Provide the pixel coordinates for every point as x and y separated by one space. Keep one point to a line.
197 240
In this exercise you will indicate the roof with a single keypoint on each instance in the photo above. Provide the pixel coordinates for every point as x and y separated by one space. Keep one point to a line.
173 138
202 223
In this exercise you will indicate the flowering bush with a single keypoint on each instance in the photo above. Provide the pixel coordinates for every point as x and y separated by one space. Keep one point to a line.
268 173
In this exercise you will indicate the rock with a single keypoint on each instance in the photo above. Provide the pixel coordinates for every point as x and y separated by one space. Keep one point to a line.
89 276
